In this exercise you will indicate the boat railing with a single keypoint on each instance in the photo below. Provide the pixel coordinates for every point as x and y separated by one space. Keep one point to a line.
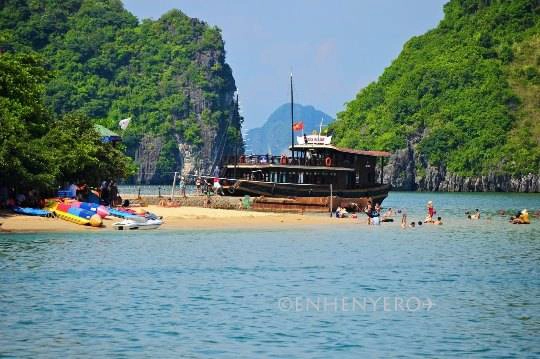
277 160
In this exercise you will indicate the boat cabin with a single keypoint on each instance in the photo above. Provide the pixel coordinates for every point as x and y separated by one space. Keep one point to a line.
313 160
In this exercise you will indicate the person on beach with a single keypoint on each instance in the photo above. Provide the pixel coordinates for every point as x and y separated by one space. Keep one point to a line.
104 192
183 186
73 190
217 187
341 212
198 185
113 193
205 186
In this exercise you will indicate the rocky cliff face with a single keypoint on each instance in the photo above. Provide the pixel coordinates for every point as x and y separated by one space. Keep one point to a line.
408 170
201 122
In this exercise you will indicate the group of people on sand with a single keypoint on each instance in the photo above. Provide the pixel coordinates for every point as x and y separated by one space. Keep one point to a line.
10 197
203 186
108 193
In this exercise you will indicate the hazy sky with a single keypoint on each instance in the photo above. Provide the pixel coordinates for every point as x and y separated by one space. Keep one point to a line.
334 48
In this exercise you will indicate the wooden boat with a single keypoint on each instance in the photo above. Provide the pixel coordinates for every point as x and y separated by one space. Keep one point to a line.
329 176
317 176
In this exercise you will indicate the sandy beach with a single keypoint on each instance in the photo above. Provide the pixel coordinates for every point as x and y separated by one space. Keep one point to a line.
188 218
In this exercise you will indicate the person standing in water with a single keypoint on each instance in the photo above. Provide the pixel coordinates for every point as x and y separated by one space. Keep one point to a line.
404 220
430 212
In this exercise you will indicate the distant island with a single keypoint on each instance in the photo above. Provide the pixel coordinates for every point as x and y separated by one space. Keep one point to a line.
274 137
460 105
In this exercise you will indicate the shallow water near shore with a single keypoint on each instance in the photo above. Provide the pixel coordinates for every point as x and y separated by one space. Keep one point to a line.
465 289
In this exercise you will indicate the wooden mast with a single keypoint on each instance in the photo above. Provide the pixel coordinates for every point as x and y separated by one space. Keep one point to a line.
292 120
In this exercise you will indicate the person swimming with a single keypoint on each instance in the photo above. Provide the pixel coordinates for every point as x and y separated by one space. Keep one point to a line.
412 225
438 221
476 214
523 218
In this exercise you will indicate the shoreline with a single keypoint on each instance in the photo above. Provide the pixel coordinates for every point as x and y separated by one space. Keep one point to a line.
175 218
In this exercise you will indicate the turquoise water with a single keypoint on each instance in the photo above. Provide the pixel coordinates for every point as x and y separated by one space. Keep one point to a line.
282 293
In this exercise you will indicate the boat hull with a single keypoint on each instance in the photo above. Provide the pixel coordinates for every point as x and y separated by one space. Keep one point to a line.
300 197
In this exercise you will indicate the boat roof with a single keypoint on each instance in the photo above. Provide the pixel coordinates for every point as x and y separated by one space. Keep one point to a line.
257 166
341 149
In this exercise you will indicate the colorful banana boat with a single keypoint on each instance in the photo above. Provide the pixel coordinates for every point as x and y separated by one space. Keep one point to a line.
66 216
68 212
96 208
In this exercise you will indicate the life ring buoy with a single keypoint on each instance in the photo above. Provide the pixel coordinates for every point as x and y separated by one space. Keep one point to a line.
283 160
242 159
231 189
328 162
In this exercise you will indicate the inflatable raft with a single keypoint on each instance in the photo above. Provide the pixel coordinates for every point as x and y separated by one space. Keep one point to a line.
76 215
60 210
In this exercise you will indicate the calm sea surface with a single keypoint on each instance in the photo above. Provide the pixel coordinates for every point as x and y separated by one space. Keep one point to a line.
464 289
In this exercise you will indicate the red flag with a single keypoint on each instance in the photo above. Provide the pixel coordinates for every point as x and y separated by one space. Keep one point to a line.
298 126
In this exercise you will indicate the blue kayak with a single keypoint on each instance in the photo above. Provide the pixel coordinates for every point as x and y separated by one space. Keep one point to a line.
32 211
116 213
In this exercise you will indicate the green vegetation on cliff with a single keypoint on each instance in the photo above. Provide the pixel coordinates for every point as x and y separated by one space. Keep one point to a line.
466 94
169 75
38 150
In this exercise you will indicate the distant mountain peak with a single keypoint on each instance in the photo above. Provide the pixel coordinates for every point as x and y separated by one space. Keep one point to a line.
274 135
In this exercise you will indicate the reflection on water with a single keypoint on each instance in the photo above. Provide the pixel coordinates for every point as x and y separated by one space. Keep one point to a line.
217 294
